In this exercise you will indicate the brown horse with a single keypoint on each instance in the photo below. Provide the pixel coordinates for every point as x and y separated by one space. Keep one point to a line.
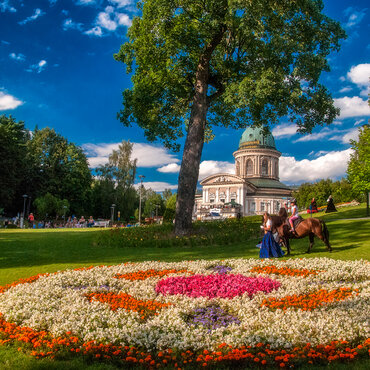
309 227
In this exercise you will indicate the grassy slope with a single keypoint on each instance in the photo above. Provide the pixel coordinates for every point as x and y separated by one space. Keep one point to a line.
27 252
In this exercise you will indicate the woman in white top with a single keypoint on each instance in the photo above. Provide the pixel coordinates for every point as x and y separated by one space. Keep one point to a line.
269 247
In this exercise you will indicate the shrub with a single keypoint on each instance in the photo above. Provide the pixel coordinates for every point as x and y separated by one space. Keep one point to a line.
161 236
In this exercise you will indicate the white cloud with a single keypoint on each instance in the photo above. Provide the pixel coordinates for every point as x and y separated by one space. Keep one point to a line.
5 7
331 165
360 74
284 130
208 168
170 168
121 3
8 101
354 16
38 13
85 2
124 20
147 155
69 24
345 139
359 121
38 67
345 89
104 19
18 57
158 185
95 31
352 107
110 19
315 136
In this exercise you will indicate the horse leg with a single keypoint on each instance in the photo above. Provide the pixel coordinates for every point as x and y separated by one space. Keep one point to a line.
325 238
287 245
311 236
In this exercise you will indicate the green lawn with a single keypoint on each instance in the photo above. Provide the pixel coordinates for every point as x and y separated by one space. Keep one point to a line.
28 252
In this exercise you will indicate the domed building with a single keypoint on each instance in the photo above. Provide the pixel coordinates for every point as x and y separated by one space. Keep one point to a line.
255 187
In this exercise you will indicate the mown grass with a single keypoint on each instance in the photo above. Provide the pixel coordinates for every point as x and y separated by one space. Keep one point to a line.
28 252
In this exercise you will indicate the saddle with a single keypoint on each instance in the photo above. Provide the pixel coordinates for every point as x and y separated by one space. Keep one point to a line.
297 221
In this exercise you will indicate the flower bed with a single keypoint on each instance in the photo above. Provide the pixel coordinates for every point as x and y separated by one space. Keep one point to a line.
174 314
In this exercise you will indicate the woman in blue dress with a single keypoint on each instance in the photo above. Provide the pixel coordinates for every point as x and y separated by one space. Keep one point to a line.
269 248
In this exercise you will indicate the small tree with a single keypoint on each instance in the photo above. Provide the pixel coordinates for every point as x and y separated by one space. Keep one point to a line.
359 165
51 206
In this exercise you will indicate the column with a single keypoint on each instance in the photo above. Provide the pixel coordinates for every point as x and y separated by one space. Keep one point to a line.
227 195
216 200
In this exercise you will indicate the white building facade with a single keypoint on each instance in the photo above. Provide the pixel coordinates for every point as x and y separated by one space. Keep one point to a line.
255 187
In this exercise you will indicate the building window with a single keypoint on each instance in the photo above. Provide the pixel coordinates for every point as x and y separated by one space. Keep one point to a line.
249 167
233 200
277 207
262 206
253 207
276 169
264 167
222 200
211 200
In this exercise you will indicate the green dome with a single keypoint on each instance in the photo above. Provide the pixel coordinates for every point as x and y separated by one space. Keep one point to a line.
253 137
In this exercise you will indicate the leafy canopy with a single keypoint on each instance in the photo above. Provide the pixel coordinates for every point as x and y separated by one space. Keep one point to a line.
359 164
266 65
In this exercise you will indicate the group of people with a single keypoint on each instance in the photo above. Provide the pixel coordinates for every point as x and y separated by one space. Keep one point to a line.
270 245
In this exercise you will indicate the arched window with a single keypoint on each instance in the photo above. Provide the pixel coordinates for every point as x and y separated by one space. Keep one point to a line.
249 167
264 167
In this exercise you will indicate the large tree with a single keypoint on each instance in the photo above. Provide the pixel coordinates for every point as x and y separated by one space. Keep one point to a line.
200 63
13 165
60 168
359 165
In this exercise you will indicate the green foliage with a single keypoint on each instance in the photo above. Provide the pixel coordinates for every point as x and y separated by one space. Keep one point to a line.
153 204
13 165
169 213
114 184
359 164
49 206
59 168
257 52
341 191
204 233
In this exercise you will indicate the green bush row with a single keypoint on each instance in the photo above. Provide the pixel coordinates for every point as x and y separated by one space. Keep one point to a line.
204 233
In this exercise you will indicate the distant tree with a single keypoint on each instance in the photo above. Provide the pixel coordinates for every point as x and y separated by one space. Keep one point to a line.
51 207
204 63
169 213
341 191
359 165
59 168
167 193
13 164
114 184
153 203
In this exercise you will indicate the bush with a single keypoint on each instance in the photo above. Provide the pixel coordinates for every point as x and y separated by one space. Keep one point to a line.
204 233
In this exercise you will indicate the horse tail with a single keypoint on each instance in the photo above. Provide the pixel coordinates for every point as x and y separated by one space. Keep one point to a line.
325 231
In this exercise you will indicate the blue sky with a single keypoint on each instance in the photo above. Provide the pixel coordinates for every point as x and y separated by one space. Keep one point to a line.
57 70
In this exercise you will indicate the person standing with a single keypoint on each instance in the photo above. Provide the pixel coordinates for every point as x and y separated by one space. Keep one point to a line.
31 219
330 206
269 247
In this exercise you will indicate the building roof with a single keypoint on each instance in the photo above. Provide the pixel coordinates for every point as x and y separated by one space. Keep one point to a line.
254 137
267 183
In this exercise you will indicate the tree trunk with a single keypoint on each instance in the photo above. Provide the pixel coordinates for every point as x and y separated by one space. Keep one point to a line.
189 171
367 194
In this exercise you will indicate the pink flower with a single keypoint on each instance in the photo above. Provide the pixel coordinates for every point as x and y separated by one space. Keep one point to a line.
212 286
